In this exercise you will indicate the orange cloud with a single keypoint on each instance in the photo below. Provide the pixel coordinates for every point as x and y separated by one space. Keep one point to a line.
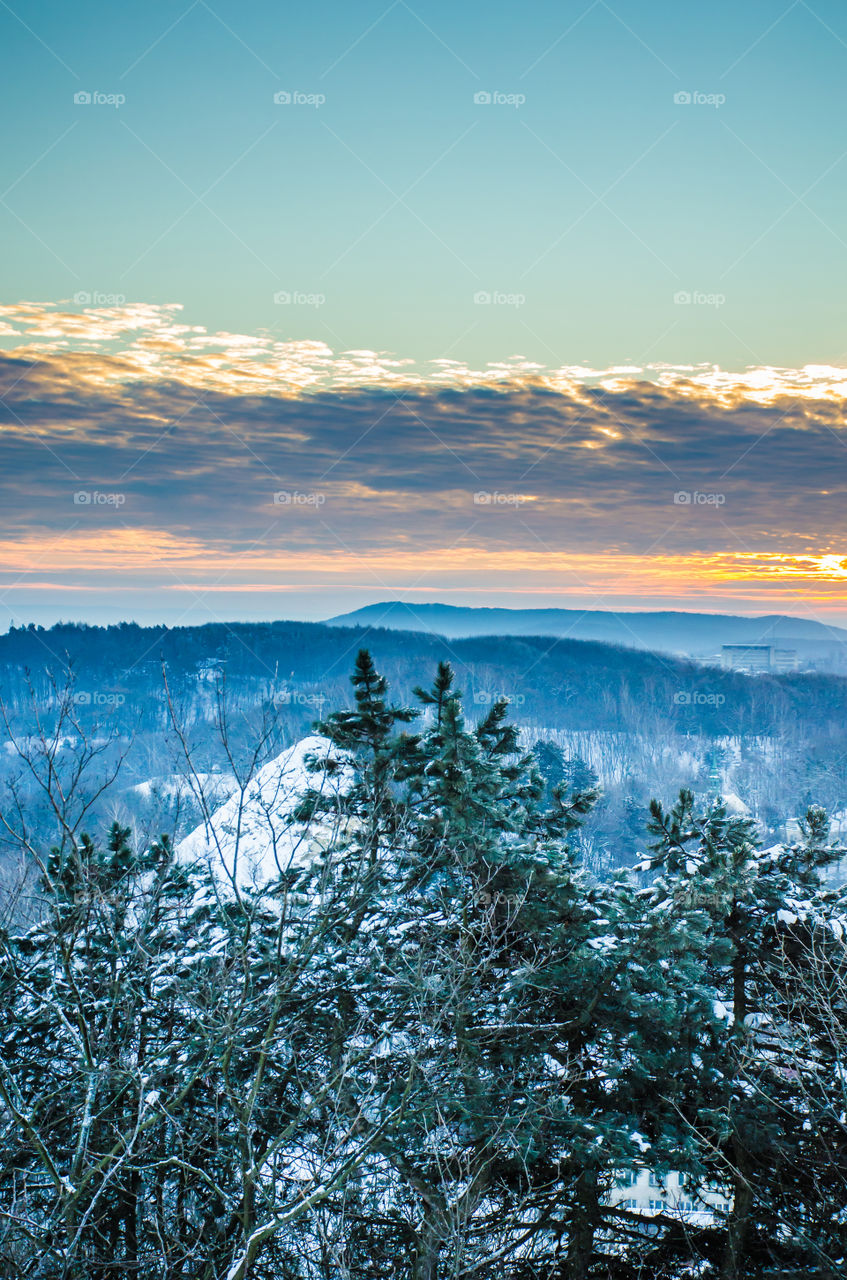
198 432
153 559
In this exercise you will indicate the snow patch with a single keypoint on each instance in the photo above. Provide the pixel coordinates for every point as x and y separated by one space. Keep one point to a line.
251 838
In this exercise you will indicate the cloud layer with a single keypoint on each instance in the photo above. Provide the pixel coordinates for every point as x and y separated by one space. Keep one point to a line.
146 455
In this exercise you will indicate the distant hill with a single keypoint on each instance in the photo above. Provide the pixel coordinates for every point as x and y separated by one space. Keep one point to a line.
646 722
696 635
304 668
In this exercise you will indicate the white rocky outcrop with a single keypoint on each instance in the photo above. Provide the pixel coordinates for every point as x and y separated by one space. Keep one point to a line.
250 840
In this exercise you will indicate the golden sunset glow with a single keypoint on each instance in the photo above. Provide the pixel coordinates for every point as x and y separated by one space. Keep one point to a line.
165 562
228 463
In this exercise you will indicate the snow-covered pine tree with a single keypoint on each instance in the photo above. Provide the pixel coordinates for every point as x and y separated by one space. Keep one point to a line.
369 736
571 774
762 923
511 1005
429 1050
92 1021
173 1096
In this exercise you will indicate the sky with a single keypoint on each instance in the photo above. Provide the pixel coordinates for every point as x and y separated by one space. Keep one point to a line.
492 305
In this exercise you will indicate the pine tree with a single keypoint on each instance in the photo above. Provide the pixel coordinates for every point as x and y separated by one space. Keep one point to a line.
89 998
432 1049
502 992
571 774
743 907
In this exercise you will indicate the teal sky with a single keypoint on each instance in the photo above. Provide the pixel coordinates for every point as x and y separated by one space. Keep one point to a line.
587 208
308 307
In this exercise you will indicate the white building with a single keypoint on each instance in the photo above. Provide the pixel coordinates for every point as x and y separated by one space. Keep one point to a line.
648 1193
758 657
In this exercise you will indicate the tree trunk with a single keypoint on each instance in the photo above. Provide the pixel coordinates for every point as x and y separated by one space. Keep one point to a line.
429 1251
737 1228
736 1239
585 1219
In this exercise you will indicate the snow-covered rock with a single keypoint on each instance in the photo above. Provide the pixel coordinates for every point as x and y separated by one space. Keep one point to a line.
216 786
735 806
250 839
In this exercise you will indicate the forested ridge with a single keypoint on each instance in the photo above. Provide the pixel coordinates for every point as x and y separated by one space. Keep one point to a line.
551 681
435 1049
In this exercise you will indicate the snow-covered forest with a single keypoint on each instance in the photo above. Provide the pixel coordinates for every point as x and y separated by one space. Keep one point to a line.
645 724
383 1013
